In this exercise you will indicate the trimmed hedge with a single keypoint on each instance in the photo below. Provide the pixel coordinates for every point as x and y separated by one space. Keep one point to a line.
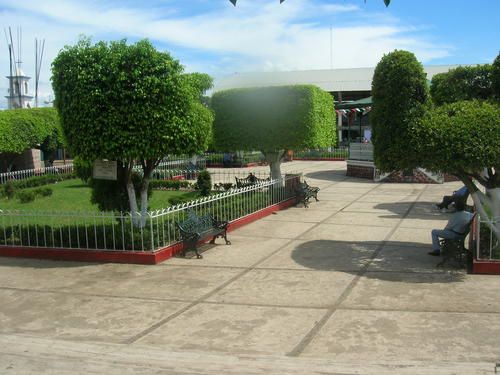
400 99
169 184
273 118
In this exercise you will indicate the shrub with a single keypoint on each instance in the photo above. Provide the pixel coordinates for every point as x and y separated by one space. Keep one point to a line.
83 169
46 179
169 184
43 192
9 190
204 183
25 196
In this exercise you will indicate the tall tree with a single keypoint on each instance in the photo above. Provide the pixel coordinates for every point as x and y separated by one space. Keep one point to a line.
23 129
462 83
400 97
129 103
273 120
460 138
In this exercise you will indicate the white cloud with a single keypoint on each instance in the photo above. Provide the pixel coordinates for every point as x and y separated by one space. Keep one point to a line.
256 35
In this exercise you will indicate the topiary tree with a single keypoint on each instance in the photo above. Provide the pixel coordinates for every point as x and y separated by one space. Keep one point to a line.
463 139
22 129
400 99
460 138
462 83
129 103
273 119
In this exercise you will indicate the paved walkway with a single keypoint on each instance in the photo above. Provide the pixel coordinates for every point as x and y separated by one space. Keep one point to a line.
344 287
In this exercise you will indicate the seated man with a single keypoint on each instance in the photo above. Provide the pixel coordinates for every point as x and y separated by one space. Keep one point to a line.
460 195
455 228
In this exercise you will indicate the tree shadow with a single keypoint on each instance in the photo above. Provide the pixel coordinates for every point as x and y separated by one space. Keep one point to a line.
397 261
332 175
421 210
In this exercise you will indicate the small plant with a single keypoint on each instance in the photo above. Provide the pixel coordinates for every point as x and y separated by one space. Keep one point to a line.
9 190
204 183
43 192
25 196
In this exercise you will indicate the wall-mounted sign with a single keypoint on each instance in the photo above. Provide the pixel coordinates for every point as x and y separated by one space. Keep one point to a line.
105 170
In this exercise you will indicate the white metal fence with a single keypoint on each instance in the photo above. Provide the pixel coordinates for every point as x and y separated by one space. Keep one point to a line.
115 231
27 173
487 245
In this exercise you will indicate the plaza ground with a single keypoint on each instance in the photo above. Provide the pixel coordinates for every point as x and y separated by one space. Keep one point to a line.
343 287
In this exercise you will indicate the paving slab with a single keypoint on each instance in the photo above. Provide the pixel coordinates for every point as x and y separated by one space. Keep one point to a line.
338 197
243 252
173 282
376 197
354 219
412 237
424 222
385 208
73 317
404 335
403 258
438 292
285 288
276 229
235 329
300 214
323 255
348 233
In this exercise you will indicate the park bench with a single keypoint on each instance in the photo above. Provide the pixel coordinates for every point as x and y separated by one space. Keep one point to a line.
304 192
197 228
455 249
250 180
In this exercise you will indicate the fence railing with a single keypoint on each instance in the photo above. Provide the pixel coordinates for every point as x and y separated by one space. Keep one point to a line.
326 153
487 244
27 173
116 231
361 151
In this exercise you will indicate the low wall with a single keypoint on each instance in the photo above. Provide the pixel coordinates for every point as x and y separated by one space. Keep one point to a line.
131 257
360 169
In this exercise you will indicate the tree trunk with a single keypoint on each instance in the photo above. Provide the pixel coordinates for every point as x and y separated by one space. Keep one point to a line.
487 205
274 158
144 200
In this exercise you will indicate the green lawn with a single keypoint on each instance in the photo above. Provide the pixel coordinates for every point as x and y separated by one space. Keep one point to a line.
73 195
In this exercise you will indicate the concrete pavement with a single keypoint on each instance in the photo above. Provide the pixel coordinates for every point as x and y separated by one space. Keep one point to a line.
343 287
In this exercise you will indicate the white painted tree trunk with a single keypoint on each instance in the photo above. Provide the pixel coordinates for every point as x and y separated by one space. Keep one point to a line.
488 206
133 203
144 201
274 159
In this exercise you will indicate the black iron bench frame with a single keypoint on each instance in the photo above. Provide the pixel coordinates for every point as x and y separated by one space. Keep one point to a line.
455 249
197 228
242 182
304 192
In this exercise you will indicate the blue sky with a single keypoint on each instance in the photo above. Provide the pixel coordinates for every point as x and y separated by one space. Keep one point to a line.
214 37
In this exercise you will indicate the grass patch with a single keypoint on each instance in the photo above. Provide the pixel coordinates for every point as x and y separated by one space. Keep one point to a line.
74 196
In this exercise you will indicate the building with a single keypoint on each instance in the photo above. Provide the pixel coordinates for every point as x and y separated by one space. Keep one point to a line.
351 89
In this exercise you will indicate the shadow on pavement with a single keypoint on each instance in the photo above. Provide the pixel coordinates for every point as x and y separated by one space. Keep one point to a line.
394 262
42 263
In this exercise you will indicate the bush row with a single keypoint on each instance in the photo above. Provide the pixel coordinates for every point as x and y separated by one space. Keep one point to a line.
10 189
26 196
170 184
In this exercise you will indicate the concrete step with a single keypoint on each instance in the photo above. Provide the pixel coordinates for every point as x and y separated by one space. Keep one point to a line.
32 355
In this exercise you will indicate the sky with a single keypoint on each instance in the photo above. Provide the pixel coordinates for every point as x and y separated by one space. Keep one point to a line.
213 37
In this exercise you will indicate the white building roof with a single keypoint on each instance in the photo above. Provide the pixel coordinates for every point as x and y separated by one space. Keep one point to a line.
333 80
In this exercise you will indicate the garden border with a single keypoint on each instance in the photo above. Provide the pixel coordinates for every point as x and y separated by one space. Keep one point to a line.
131 257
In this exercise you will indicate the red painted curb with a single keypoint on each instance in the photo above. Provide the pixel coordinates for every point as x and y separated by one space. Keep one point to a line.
486 267
132 257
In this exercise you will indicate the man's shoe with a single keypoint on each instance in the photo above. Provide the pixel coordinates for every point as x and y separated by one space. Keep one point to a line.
435 253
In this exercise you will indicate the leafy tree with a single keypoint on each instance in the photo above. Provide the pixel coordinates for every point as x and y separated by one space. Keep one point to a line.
462 83
273 119
129 103
400 98
463 139
460 138
22 129
495 77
